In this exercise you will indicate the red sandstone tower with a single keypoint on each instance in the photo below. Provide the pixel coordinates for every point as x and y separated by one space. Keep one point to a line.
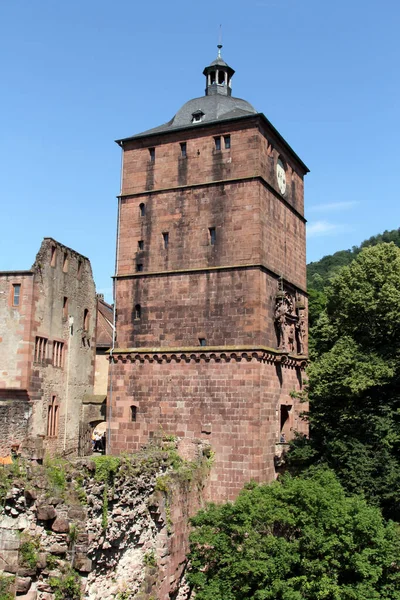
210 286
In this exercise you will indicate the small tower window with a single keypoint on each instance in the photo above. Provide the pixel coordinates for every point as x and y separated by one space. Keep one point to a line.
165 239
139 267
202 341
227 141
79 269
152 154
183 150
142 209
16 294
86 319
212 236
53 258
133 413
65 263
140 245
138 311
65 307
212 77
217 141
221 77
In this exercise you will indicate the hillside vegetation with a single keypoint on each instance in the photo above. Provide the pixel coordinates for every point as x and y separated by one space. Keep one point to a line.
321 272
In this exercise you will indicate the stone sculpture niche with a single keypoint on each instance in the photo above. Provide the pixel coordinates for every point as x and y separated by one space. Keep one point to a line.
290 322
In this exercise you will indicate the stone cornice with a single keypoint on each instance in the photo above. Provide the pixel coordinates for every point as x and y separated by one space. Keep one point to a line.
255 177
197 354
264 268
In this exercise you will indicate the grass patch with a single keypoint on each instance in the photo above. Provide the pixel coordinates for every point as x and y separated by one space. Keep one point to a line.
29 550
67 587
6 584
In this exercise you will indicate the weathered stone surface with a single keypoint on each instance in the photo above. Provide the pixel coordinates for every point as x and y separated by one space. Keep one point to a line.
25 571
82 563
61 525
59 548
30 495
76 513
45 512
43 586
42 560
22 584
9 561
29 596
9 540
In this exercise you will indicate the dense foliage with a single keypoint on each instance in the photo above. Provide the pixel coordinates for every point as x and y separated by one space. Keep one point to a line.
320 273
300 538
354 380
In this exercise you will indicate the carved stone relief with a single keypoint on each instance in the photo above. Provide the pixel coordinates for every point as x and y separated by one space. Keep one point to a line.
290 322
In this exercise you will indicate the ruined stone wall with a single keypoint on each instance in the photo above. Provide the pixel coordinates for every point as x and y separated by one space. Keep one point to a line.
15 324
231 399
64 290
14 421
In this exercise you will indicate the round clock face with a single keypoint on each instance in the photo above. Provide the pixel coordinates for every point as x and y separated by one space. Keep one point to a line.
281 176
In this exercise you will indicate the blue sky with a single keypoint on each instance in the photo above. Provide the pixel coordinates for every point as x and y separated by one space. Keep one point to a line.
77 75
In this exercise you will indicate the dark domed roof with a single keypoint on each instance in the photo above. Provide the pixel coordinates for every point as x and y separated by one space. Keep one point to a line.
211 108
217 105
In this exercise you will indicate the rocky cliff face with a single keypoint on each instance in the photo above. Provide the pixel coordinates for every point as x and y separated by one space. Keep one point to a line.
100 529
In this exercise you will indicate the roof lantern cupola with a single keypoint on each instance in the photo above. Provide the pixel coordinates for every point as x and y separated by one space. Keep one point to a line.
218 76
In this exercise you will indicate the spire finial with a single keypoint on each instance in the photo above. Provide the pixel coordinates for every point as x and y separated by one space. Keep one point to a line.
219 45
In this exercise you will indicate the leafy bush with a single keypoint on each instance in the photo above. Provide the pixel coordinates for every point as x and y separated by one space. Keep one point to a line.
298 539
6 584
67 587
29 550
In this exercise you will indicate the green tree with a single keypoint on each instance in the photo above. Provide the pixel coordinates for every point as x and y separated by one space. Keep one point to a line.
354 380
300 538
320 273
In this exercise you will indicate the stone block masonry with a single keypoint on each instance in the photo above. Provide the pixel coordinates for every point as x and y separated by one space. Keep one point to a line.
210 287
47 346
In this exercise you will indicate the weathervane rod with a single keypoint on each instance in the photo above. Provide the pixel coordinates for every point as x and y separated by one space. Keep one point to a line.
219 46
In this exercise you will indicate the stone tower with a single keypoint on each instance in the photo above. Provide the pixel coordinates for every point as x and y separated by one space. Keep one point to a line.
210 286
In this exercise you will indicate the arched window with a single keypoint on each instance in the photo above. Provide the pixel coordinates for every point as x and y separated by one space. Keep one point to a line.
138 311
142 209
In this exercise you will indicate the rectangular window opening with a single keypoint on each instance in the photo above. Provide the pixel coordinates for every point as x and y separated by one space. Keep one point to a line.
65 263
227 141
212 235
40 349
140 245
139 267
52 418
217 141
58 352
79 269
133 413
65 307
183 150
202 341
166 239
152 154
53 258
16 294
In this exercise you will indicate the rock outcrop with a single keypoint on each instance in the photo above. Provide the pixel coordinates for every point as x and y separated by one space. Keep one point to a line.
100 529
